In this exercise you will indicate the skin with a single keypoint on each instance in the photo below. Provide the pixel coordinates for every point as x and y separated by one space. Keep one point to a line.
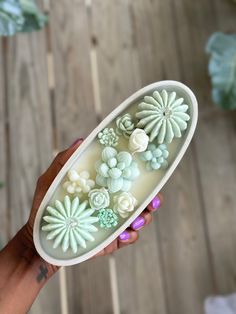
22 269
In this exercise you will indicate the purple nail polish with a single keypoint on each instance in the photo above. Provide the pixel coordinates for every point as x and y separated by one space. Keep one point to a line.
124 235
155 203
138 223
76 142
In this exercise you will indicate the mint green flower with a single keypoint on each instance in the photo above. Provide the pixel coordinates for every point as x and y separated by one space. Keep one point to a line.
70 224
125 125
99 198
163 116
108 137
155 156
116 171
107 218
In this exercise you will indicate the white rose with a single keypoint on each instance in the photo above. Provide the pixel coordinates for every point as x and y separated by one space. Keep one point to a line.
138 141
124 203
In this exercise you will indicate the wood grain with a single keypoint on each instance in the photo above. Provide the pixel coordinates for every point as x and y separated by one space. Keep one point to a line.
180 228
217 156
30 136
3 152
88 284
139 271
74 109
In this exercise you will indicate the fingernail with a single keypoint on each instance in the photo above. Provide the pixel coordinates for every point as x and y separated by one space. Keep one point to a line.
138 223
76 142
155 203
124 236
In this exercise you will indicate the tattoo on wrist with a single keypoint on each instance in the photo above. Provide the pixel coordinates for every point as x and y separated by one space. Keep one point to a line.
43 271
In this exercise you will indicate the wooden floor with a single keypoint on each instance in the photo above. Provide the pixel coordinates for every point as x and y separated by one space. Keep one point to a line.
56 85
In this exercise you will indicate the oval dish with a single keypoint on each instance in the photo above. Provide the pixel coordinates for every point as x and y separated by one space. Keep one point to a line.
95 204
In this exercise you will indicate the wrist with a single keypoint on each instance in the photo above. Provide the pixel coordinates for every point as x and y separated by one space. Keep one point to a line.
29 253
22 269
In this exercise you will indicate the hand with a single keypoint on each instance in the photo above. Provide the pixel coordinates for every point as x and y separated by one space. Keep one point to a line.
129 236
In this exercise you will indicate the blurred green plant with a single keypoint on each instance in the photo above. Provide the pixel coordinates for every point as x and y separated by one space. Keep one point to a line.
20 16
222 69
1 185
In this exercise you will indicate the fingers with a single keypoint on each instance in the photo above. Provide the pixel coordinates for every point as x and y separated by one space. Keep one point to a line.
143 220
49 175
62 158
127 237
155 203
59 161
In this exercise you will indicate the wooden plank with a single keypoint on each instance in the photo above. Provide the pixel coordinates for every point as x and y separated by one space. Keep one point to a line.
30 136
217 156
180 227
216 142
88 284
74 110
3 153
140 291
193 23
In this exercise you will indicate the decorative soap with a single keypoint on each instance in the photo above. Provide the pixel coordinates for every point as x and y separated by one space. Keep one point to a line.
115 173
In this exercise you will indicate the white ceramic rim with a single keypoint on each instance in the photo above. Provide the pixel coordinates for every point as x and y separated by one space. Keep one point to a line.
82 148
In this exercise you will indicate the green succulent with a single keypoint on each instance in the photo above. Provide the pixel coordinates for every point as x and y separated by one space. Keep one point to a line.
163 116
108 137
70 224
116 171
155 156
125 125
99 198
107 218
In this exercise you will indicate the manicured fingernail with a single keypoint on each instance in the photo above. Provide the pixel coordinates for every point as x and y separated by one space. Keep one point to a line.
124 236
76 142
138 223
155 203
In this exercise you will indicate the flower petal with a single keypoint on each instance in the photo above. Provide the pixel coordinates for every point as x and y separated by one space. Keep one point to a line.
169 132
175 128
61 208
124 157
81 208
79 239
126 185
51 235
162 133
181 123
67 204
85 234
114 185
152 100
55 213
58 239
66 241
74 206
73 242
52 226
101 180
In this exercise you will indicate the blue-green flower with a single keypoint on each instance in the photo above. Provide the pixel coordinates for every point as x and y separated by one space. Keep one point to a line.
155 156
99 198
107 218
70 224
125 125
163 116
108 137
116 171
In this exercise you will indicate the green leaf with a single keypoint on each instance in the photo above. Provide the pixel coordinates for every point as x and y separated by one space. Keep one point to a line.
11 17
20 16
1 185
222 69
34 19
